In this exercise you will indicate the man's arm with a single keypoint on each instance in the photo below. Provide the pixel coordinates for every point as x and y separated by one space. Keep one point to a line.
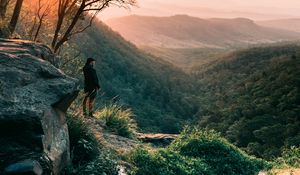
95 78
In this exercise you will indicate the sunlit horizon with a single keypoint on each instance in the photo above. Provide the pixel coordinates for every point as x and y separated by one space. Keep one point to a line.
254 9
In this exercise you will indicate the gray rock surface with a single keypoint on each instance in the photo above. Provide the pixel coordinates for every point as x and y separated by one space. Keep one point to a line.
24 167
34 96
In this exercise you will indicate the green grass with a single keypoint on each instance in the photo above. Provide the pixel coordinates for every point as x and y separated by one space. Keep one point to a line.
118 120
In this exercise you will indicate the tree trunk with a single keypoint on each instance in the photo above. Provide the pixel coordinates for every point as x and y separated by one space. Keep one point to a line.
70 28
57 30
15 16
3 6
62 8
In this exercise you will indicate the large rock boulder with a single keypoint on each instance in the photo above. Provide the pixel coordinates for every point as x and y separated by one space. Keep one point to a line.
34 96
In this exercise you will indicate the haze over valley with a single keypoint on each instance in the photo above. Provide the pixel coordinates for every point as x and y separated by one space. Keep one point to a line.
185 40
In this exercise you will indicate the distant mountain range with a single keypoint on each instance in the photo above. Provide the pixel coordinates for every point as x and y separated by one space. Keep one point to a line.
285 24
182 31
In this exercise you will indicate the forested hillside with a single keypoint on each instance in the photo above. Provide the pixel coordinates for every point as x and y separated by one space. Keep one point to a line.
253 98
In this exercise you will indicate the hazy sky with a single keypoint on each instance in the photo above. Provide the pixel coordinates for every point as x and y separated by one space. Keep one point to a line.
255 9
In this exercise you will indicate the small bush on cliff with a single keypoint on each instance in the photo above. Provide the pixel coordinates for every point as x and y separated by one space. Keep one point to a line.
87 154
196 152
103 164
83 144
217 152
119 120
165 162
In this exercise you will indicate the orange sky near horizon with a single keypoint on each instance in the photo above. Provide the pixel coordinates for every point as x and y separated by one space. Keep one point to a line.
254 9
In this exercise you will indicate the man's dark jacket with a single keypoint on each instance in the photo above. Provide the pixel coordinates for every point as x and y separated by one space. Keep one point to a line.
90 79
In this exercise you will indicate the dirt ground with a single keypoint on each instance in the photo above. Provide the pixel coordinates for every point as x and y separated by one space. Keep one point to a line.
282 172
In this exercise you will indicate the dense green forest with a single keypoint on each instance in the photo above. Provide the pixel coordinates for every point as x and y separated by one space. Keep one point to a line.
253 98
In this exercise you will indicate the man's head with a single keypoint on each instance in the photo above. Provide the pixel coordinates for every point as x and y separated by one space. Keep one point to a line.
91 61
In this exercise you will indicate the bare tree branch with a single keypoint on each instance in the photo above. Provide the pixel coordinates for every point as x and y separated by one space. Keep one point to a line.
86 27
80 7
41 13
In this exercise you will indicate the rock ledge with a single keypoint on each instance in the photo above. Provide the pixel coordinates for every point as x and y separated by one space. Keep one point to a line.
34 96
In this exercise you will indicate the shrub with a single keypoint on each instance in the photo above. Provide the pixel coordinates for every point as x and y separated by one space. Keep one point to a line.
196 152
165 162
119 120
217 152
87 154
83 144
103 164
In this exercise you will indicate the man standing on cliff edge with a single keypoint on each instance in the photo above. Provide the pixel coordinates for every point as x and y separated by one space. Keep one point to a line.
91 86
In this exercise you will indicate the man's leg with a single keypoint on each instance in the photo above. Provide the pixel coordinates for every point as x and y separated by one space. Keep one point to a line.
84 104
92 97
